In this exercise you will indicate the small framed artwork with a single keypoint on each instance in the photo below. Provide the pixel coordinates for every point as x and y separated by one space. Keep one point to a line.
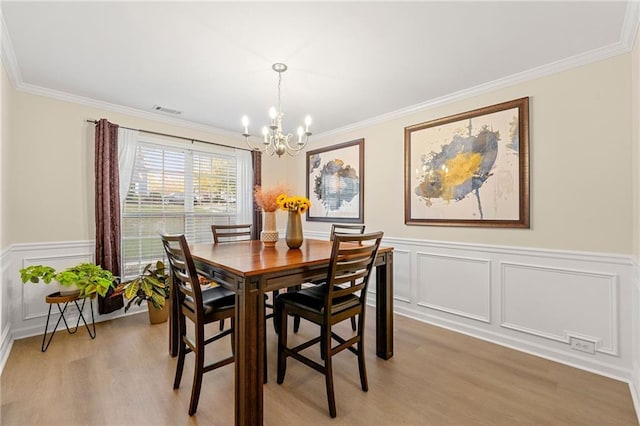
469 169
335 183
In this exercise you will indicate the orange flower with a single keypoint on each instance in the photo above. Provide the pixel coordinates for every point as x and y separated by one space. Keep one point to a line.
267 199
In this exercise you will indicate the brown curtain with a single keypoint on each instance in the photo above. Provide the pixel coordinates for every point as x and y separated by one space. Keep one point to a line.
256 159
107 208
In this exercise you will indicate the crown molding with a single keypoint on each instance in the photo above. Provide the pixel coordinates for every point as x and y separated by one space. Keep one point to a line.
595 55
9 61
7 54
630 24
134 112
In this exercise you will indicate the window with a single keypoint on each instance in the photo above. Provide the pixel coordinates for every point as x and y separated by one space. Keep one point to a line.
180 191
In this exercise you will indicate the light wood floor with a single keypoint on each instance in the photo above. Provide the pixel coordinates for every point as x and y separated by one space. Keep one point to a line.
436 377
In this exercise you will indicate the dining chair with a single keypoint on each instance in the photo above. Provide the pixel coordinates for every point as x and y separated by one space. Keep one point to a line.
234 233
342 229
200 307
339 228
229 233
342 296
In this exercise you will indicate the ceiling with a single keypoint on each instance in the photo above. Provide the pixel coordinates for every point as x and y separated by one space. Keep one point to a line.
349 62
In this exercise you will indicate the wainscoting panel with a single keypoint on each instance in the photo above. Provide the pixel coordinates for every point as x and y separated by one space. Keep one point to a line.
33 295
454 284
532 300
559 304
402 275
28 309
6 339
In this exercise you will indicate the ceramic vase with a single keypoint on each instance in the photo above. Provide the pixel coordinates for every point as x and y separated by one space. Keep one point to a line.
269 235
294 230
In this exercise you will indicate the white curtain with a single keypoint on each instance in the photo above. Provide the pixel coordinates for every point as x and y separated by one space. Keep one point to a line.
127 145
244 185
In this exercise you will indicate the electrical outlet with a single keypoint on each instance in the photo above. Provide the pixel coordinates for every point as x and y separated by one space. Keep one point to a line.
582 345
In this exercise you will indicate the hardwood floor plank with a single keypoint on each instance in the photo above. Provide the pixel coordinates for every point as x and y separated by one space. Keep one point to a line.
436 377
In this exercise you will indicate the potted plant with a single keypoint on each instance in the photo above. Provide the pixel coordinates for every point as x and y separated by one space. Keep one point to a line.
86 277
151 285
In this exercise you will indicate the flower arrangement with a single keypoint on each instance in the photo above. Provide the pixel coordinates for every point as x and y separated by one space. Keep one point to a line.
294 203
267 198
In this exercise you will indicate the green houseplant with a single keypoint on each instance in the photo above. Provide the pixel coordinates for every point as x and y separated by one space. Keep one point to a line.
151 285
87 277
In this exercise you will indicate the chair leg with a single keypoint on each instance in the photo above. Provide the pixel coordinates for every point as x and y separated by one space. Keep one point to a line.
361 365
328 371
296 323
198 371
222 325
282 344
182 349
353 323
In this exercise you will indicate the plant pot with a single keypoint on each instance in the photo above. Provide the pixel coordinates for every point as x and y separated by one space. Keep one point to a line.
158 316
66 291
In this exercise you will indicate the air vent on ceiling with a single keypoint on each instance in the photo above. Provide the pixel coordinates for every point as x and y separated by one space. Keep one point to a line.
167 110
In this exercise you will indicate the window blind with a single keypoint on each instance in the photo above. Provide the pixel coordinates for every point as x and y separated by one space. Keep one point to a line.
175 191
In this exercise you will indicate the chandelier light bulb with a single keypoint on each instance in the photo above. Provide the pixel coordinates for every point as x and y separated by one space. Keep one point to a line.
245 123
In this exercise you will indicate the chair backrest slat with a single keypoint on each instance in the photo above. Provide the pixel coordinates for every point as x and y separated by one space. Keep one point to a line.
183 271
352 259
230 233
345 229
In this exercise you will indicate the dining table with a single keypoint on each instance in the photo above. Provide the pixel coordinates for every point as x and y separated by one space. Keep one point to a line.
251 270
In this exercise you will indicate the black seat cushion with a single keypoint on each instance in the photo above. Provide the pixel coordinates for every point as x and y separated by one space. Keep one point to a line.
214 299
312 298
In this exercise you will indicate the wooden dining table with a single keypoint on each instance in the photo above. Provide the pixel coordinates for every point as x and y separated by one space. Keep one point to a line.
251 270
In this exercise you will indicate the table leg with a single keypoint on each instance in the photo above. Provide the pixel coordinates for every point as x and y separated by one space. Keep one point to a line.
384 307
249 332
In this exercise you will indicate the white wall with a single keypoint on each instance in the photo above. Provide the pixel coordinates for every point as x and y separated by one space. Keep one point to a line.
570 275
6 92
52 166
635 134
580 164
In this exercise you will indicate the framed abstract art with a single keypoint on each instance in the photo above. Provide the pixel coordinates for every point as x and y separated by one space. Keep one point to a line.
335 183
469 169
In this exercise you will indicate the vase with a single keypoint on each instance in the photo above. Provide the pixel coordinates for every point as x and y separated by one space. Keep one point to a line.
269 235
294 230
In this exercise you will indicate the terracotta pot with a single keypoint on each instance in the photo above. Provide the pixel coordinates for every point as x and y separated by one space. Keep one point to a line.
294 230
158 316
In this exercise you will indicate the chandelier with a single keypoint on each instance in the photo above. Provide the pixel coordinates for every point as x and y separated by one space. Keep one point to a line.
274 139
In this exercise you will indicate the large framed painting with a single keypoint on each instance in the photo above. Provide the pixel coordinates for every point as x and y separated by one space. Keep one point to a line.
469 169
335 183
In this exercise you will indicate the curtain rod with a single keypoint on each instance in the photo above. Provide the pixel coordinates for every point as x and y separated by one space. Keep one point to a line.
174 136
